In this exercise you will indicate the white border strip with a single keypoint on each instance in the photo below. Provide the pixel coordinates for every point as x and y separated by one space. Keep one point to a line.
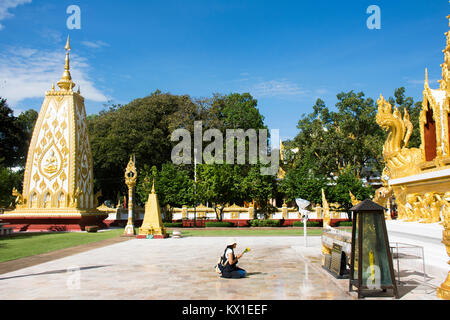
420 177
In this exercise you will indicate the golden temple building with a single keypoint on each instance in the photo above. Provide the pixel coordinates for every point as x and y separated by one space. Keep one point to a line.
58 188
419 178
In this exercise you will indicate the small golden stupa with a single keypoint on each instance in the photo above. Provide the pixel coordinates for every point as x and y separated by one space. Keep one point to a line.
152 226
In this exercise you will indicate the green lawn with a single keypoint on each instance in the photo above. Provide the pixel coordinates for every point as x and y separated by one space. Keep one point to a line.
239 232
25 245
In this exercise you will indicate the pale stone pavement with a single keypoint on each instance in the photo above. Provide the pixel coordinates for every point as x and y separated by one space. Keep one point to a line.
178 269
279 268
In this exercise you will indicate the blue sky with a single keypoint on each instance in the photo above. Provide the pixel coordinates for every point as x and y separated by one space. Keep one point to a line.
285 53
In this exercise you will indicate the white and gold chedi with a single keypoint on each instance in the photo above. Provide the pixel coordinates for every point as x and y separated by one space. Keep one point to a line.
420 177
58 174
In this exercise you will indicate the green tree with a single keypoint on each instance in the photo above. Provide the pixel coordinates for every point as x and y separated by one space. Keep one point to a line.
9 180
235 111
348 181
143 128
348 136
219 184
26 121
173 185
260 188
301 182
10 136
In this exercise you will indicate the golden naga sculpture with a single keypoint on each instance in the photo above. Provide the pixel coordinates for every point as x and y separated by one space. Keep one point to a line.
444 291
326 220
326 211
20 201
75 197
96 196
383 194
354 200
400 160
402 209
446 210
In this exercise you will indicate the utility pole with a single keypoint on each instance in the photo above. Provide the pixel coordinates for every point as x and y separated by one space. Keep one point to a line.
195 187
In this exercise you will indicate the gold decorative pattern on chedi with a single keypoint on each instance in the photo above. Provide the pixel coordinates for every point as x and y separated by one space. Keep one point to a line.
58 173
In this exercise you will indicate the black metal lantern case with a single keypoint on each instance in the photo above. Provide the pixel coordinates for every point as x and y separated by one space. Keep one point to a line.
371 264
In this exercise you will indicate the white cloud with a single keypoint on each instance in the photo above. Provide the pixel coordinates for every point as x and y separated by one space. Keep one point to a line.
422 81
95 44
28 73
274 88
5 5
321 91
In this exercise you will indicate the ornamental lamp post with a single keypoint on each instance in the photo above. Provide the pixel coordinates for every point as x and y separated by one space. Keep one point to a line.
130 181
371 266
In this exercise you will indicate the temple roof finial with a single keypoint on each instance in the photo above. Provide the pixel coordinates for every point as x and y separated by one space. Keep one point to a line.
153 187
66 82
67 47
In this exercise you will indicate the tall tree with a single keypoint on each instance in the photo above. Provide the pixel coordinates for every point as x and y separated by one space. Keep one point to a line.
26 121
8 180
219 184
173 185
346 181
10 136
349 136
301 182
258 187
143 128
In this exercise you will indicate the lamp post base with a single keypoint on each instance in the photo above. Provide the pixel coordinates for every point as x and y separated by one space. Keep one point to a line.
129 230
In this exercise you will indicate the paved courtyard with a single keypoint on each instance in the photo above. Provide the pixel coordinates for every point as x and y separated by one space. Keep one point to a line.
278 268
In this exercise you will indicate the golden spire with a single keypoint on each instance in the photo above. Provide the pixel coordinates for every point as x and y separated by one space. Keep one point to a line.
446 65
67 47
426 77
66 82
153 187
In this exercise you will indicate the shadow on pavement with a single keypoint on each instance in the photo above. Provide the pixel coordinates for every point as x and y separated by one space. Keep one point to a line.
53 272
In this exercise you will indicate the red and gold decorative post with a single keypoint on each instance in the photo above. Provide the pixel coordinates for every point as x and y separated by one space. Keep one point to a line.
130 180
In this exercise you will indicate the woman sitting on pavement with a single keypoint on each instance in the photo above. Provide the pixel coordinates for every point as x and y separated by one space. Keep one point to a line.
231 270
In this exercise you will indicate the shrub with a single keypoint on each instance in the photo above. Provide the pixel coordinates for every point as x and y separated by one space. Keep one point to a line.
218 224
345 224
264 223
311 224
173 224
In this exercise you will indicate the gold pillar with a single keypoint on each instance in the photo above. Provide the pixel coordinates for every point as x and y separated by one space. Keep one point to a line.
130 180
251 212
444 291
284 210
